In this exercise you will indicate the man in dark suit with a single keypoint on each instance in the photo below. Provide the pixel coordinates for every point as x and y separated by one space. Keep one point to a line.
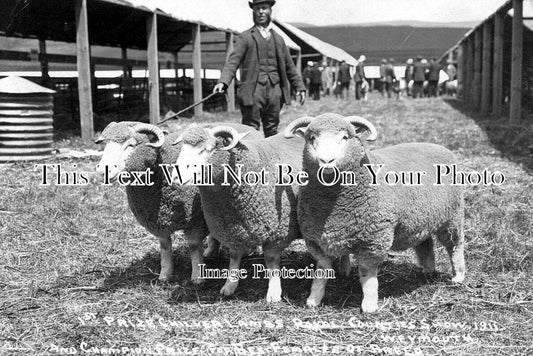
433 77
419 77
343 79
266 70
359 76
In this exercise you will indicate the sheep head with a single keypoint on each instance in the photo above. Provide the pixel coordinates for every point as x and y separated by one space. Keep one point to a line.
121 139
332 140
199 143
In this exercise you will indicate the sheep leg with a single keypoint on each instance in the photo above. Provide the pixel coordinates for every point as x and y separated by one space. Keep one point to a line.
232 282
368 276
195 241
272 260
453 240
165 243
318 287
345 266
213 246
426 255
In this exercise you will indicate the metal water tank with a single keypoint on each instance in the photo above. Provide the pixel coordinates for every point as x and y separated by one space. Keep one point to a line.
26 120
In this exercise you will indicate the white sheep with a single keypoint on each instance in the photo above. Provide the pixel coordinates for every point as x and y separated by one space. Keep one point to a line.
371 217
244 216
161 208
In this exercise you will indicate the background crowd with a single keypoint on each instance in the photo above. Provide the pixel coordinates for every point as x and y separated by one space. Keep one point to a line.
417 78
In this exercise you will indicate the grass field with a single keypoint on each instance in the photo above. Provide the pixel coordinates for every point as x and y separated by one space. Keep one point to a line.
78 274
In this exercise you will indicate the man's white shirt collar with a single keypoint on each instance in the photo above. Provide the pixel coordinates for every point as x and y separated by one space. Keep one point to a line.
265 31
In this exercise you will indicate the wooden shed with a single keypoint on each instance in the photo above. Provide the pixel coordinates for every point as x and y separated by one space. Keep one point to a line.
495 62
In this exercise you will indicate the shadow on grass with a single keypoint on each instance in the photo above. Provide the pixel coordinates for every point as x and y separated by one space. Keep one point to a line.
515 142
395 279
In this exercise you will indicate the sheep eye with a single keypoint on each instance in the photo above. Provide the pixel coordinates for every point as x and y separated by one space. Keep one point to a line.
345 137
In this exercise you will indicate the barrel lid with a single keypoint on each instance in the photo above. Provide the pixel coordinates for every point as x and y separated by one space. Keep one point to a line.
18 85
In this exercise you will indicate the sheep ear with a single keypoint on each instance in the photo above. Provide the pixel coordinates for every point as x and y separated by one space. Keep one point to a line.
178 139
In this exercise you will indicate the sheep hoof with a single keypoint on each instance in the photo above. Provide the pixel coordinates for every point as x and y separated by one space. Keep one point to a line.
165 279
198 281
369 306
459 278
312 302
428 270
228 289
273 298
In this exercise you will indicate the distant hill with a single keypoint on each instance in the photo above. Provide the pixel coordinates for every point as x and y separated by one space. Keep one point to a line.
399 42
465 24
302 24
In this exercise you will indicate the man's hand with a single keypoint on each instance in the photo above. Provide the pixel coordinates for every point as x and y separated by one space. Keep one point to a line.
301 95
220 88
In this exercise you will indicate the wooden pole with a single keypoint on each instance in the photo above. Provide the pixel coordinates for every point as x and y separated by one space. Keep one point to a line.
515 113
197 68
497 66
45 76
486 68
450 56
231 87
476 90
461 70
299 61
124 61
469 75
153 67
84 71
176 68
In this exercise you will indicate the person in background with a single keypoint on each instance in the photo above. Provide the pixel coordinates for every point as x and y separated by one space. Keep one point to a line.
359 76
327 79
408 76
425 86
452 75
390 77
306 74
316 81
343 79
266 71
433 78
383 76
419 77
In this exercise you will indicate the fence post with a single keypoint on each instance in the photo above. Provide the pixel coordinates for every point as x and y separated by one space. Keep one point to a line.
497 67
197 67
486 68
84 70
153 67
515 113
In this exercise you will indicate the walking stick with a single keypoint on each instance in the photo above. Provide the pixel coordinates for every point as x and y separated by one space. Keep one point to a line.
171 115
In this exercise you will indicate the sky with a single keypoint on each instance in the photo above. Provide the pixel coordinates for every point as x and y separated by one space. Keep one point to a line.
329 12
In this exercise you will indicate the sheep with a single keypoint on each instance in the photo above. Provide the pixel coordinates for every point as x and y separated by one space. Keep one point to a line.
161 208
244 216
371 217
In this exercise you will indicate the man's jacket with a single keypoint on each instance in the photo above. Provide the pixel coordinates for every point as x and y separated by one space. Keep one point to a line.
246 57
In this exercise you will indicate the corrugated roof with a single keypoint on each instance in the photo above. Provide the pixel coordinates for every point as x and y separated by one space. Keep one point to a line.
216 14
320 46
18 85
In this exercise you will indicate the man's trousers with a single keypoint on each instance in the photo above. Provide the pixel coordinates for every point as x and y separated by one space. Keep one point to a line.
265 110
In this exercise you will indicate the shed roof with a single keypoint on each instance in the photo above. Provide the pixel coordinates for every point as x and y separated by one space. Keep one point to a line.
119 23
312 44
217 14
18 85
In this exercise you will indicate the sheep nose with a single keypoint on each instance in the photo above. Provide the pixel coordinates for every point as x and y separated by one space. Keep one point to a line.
326 160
